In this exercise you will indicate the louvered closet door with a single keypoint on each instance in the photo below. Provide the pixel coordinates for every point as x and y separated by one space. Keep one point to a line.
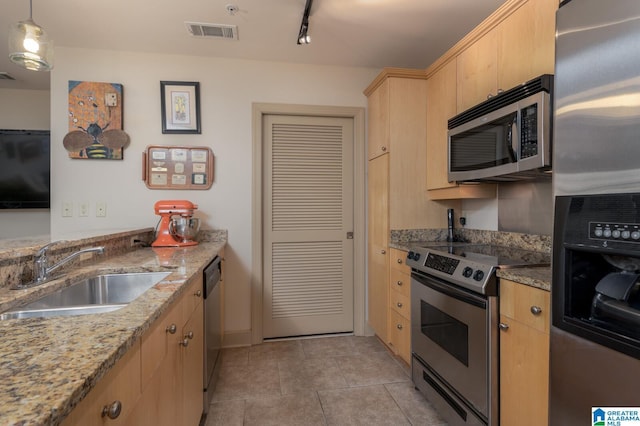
308 211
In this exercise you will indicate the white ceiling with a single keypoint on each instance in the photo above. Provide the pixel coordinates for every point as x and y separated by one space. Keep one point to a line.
357 33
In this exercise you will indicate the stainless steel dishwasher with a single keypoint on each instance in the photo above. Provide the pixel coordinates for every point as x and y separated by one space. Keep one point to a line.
212 327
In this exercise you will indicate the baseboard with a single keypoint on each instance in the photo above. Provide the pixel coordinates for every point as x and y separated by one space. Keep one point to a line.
234 339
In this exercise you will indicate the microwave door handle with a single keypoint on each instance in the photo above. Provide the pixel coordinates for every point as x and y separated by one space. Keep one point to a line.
512 138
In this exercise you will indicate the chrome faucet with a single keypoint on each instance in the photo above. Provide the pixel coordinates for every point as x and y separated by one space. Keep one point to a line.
42 271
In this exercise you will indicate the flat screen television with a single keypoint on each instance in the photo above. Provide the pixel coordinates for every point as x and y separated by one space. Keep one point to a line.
25 169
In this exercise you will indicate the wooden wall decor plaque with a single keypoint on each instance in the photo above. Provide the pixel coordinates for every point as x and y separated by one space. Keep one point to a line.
177 167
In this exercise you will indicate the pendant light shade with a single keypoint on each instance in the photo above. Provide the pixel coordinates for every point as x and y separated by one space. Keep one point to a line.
30 46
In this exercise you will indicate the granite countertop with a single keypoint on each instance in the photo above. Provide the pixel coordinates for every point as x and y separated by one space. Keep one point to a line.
47 365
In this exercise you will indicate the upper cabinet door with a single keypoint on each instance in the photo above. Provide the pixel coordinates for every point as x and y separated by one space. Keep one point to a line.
441 106
476 71
378 121
526 43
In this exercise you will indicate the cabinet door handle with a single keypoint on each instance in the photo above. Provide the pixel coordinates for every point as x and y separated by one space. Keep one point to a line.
399 260
536 310
503 326
113 410
399 304
189 335
399 283
384 149
399 326
184 342
171 329
198 293
383 252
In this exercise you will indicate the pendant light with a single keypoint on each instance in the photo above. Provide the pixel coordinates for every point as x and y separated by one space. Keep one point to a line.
29 45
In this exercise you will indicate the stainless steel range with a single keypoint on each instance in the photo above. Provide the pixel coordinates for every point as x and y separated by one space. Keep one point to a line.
454 326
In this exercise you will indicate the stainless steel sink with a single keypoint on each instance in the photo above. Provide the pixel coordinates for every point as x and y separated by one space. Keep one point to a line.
102 293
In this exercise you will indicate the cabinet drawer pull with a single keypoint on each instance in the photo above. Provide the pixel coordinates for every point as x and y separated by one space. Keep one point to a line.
399 283
536 310
399 304
171 329
112 411
503 326
184 342
198 293
383 252
399 326
399 260
189 335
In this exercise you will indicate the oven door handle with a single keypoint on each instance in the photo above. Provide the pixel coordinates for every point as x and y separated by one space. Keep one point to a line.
449 289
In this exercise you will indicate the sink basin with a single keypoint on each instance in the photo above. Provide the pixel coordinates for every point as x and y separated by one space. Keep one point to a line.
102 293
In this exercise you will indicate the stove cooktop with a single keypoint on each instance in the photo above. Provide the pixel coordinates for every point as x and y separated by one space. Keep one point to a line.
470 265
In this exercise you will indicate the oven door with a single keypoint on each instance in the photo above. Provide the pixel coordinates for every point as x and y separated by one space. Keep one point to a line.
450 334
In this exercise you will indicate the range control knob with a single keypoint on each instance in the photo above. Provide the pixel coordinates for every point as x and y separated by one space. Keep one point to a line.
467 272
626 234
416 256
635 235
607 233
478 276
410 255
615 233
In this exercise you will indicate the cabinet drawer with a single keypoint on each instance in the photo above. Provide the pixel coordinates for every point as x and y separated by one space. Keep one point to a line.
192 298
399 335
400 282
526 304
400 303
397 259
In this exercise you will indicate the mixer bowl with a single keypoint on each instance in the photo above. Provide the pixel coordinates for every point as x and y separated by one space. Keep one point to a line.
184 229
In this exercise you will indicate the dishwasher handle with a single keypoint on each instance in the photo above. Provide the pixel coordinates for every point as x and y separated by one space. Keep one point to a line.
212 274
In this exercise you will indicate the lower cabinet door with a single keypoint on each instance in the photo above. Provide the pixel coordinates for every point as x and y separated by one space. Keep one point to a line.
192 368
399 335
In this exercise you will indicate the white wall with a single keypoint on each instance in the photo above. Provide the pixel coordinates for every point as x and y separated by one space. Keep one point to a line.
24 109
228 87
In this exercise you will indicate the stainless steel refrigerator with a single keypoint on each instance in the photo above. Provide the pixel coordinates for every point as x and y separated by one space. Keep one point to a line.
595 333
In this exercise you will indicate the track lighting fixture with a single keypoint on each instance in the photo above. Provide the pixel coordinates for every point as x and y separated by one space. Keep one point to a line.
29 45
303 36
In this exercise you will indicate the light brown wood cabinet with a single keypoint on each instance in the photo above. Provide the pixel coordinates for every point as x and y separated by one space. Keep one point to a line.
116 394
441 105
159 380
397 197
524 354
399 305
378 244
514 49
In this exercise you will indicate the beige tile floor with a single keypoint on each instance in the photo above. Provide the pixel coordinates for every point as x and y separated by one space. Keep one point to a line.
344 380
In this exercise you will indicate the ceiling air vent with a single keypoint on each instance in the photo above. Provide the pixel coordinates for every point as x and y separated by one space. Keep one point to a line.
6 76
197 29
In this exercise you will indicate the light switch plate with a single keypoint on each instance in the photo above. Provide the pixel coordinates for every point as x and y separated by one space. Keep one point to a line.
67 209
101 209
83 209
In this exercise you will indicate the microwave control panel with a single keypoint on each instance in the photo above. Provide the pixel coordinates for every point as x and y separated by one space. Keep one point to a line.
529 131
620 232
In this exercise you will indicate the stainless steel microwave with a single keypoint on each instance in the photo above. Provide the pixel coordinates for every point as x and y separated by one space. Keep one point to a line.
505 138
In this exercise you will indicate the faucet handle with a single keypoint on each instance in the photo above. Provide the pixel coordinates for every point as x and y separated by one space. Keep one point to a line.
44 249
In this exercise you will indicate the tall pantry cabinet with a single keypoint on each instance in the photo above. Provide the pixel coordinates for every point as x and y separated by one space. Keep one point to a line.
397 197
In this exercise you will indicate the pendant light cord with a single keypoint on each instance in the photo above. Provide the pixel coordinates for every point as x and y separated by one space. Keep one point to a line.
31 10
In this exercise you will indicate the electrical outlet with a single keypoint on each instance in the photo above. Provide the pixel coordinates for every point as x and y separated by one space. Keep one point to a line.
83 209
67 209
111 99
101 209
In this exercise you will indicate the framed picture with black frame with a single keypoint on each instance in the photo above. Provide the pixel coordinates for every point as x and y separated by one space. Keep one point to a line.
180 102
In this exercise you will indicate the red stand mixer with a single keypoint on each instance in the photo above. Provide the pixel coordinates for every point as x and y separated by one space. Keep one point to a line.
178 227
